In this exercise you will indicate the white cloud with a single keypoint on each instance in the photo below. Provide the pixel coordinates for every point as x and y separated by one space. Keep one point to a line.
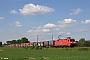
46 30
56 29
31 9
64 33
82 30
49 25
1 18
13 12
61 24
67 22
30 31
18 24
61 33
35 31
68 33
76 11
85 22
39 31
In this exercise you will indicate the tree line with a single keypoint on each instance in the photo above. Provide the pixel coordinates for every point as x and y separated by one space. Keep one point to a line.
83 43
19 41
80 43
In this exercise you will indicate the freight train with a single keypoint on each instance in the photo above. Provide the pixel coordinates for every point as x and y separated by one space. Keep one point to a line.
69 42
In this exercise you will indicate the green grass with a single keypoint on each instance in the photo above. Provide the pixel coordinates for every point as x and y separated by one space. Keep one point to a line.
13 53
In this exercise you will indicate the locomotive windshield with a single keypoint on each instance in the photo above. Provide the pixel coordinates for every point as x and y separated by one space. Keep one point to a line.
72 40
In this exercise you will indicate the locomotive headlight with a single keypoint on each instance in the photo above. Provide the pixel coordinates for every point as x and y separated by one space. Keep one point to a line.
71 42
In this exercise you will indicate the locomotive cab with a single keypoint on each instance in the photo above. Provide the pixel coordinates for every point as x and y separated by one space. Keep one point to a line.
72 42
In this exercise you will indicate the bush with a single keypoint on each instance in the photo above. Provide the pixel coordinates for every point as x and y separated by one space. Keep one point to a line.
31 47
37 48
83 49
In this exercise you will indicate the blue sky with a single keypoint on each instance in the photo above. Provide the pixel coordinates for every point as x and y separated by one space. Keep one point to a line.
29 18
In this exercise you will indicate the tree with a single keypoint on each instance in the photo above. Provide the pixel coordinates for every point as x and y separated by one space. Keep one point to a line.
24 40
14 41
82 42
18 41
9 42
87 43
77 43
0 43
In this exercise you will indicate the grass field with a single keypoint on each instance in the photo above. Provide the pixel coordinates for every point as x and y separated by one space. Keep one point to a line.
13 53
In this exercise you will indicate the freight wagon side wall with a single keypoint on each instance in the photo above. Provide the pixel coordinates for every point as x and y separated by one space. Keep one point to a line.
51 43
46 43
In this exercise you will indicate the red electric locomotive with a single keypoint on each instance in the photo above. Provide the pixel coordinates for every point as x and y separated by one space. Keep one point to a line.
69 42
